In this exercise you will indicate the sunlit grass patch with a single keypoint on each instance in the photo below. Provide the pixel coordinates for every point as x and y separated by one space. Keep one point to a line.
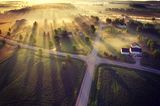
111 43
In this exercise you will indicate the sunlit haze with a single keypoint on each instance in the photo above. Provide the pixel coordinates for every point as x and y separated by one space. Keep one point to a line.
79 53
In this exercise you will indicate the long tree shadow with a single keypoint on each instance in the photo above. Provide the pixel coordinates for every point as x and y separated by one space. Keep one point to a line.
59 95
39 84
30 63
68 76
44 41
25 38
106 87
48 40
119 80
7 68
56 101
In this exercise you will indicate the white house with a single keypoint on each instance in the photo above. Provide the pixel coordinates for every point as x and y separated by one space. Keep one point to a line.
122 26
135 51
125 51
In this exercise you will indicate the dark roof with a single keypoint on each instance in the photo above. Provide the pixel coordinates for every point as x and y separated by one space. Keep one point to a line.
125 49
136 49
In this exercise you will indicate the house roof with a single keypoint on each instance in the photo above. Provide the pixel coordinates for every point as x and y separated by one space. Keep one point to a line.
135 45
136 49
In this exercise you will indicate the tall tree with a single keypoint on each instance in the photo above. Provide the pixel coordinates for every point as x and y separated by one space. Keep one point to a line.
93 29
108 20
156 54
0 31
20 37
8 34
9 29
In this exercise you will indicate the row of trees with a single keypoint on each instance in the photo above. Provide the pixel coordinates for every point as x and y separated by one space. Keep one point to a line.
115 21
61 32
144 27
152 46
95 19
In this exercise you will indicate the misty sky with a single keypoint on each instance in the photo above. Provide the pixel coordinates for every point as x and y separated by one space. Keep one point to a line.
50 1
72 0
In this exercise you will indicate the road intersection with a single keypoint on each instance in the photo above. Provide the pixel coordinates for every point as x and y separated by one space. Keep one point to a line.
92 60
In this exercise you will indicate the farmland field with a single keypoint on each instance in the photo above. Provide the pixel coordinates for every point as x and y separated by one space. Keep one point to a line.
115 86
36 25
27 79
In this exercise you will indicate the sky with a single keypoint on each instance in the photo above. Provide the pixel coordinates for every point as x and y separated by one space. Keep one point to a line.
49 1
70 0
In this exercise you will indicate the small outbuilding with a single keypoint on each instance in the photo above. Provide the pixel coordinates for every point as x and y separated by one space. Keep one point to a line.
125 51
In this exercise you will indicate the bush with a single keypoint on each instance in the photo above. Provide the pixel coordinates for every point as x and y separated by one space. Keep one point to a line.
87 39
151 44
40 52
108 20
156 54
2 42
140 38
119 21
50 44
93 29
68 57
74 48
8 34
105 54
96 18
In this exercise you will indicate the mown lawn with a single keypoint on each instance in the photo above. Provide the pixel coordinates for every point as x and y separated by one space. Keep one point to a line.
114 86
29 80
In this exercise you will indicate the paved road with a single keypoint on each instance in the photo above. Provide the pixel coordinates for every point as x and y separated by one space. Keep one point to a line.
127 65
34 48
92 61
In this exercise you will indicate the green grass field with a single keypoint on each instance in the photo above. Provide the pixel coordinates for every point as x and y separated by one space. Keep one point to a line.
29 80
114 86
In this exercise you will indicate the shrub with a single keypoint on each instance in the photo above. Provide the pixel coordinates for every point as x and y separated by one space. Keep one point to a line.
68 57
105 53
108 20
74 48
156 54
87 39
40 52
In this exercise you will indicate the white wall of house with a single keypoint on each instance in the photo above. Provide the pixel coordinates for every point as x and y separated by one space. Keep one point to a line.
125 53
